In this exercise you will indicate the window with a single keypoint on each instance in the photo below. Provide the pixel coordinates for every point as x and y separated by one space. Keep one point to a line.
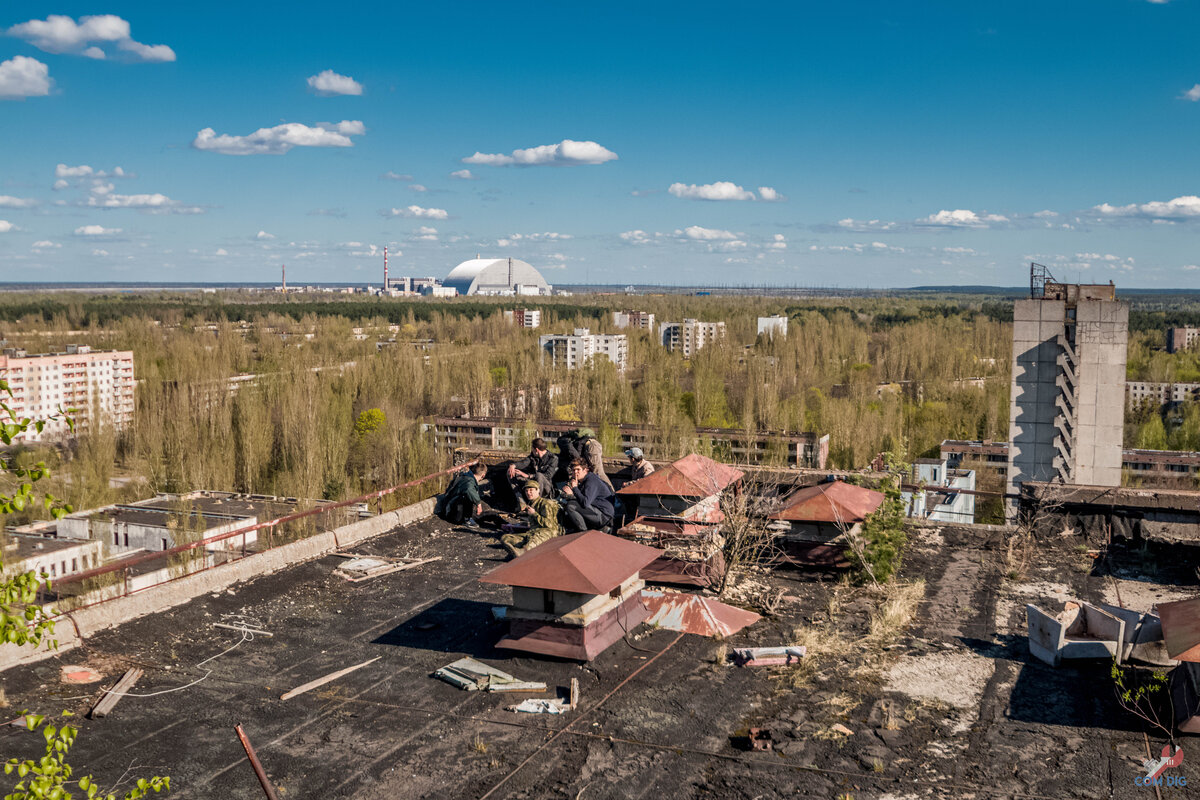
127 540
116 539
74 565
64 566
164 544
53 571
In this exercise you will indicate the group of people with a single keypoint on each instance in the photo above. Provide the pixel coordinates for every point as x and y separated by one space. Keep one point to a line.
553 497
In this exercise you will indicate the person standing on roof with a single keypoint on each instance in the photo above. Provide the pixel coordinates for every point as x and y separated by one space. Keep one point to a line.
593 452
588 501
542 515
540 466
639 467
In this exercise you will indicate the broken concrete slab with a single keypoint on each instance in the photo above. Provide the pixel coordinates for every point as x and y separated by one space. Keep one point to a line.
1081 630
473 676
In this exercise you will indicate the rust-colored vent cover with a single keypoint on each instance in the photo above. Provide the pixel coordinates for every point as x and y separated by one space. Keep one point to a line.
691 476
836 501
588 563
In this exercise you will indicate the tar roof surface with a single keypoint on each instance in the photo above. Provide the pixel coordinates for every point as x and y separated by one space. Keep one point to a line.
658 718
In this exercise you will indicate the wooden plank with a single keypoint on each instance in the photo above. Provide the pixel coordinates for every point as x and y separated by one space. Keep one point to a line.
112 696
333 676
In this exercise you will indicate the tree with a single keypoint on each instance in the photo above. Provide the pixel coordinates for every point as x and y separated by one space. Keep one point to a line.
879 547
368 422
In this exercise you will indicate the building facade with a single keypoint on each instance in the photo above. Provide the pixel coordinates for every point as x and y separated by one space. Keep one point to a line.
1162 394
1182 339
1155 467
525 317
773 326
496 276
579 348
947 494
641 320
98 385
1067 409
689 336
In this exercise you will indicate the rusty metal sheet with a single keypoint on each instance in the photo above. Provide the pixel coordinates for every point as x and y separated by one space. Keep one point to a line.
588 563
1181 628
691 476
691 613
835 501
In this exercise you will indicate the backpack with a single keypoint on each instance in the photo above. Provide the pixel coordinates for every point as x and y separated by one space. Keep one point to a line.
570 447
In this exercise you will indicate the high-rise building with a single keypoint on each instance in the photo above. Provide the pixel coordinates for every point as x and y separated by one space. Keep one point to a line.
579 348
641 320
525 317
773 326
1182 339
90 385
1067 412
690 335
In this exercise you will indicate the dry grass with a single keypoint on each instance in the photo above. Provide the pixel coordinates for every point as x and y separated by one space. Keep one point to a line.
842 703
479 745
895 611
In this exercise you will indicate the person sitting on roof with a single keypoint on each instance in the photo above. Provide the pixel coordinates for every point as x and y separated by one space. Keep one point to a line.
540 465
639 467
542 515
588 501
461 502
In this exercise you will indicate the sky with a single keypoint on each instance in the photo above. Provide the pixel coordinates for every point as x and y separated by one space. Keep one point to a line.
849 144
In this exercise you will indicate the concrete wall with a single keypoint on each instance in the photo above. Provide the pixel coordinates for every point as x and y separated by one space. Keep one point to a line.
1100 340
1031 431
76 626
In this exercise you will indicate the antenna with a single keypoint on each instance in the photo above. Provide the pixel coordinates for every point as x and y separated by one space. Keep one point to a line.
385 275
510 283
284 268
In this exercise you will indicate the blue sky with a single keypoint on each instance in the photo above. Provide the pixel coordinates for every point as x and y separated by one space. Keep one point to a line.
837 144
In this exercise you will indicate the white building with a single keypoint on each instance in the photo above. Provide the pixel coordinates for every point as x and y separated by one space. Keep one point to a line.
525 317
773 326
29 549
948 494
579 348
690 335
641 320
98 385
497 276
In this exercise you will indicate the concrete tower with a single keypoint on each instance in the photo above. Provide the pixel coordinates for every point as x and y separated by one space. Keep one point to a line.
1067 414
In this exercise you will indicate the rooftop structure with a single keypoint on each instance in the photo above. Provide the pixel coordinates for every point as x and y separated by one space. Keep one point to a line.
689 489
581 347
574 596
814 521
97 385
497 276
689 336
1068 383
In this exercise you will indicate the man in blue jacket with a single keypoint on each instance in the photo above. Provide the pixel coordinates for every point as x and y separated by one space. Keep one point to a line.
587 501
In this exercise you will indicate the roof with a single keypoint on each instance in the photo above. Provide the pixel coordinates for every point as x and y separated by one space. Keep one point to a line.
691 613
835 501
1181 628
588 563
691 476
484 274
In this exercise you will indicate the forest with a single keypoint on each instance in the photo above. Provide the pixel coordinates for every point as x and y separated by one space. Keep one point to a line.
334 389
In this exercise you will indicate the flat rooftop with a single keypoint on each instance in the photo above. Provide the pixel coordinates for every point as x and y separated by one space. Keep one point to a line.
951 705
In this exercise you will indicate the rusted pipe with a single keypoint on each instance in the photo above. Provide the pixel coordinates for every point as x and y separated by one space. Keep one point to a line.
267 788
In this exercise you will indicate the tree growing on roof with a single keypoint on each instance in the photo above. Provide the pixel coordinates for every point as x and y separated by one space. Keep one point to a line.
879 548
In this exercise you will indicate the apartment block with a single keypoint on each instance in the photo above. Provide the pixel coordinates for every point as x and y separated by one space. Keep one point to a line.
525 317
1067 409
98 385
579 348
773 326
1162 394
689 336
1182 339
641 320
1156 467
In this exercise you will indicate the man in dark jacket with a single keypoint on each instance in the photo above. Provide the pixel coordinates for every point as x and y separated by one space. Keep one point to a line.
540 465
462 502
587 501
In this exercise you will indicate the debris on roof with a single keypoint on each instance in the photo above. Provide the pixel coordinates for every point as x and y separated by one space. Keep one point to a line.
692 551
768 656
835 501
590 562
472 675
333 676
691 476
691 613
361 568
1181 628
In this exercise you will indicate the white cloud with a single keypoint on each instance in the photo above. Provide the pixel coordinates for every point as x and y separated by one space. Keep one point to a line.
1046 214
1184 207
769 195
22 77
99 252
874 248
425 234
61 184
395 176
779 242
416 187
7 201
462 175
263 236
637 237
1190 267
221 251
961 251
45 244
96 230
1192 94
863 225
425 230
416 212
721 190
706 234
104 199
961 218
330 84
60 34
566 153
280 139
549 236
7 227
